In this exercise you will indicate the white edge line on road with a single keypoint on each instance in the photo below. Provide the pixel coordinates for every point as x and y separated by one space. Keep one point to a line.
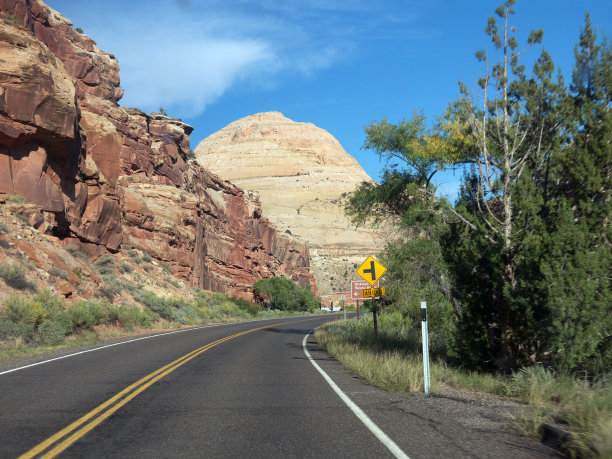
383 437
131 341
99 348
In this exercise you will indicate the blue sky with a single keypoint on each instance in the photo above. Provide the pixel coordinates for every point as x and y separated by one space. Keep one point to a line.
339 64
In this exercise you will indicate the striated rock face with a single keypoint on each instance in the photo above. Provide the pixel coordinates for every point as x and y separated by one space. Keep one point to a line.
106 177
300 173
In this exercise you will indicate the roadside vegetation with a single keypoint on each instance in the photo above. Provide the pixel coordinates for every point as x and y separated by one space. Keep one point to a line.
40 323
393 360
516 272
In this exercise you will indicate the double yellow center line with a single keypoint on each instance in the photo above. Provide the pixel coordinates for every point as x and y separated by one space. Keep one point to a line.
67 436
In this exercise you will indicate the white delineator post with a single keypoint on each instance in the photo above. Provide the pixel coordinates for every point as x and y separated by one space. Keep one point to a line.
425 334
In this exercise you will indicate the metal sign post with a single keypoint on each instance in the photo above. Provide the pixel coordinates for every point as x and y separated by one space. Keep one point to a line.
425 334
374 316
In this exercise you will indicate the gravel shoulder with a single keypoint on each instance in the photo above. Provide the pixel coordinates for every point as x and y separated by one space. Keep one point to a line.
452 422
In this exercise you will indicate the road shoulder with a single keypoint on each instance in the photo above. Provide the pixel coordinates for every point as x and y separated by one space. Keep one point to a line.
477 425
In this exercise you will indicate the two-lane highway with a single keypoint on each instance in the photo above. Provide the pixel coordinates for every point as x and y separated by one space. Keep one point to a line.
237 390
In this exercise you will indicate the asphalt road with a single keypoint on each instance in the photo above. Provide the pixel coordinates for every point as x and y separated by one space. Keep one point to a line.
220 392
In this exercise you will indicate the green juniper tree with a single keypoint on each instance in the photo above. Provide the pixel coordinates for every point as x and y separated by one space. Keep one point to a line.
577 251
528 242
513 120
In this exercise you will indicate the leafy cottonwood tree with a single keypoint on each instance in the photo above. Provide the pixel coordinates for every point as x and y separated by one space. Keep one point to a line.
284 294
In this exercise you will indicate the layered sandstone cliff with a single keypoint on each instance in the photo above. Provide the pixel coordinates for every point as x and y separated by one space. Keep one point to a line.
107 177
300 173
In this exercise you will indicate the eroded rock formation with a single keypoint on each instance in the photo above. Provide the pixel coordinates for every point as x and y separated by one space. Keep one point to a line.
107 177
300 173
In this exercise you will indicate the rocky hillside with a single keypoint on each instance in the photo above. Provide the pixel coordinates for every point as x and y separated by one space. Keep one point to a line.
300 173
105 178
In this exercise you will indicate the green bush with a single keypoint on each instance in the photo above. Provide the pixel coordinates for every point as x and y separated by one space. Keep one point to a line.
71 248
74 251
157 304
51 332
3 229
148 258
284 294
246 305
173 282
63 319
185 316
183 311
8 328
130 315
14 275
112 288
165 268
105 265
16 198
24 318
58 272
81 316
86 314
104 293
132 289
23 218
125 267
228 308
20 310
48 301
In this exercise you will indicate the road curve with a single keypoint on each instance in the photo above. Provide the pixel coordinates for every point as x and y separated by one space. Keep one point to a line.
228 391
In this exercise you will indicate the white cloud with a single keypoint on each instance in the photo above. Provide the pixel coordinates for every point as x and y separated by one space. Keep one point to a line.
184 55
186 76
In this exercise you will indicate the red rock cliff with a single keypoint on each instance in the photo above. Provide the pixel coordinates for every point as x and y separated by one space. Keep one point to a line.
109 176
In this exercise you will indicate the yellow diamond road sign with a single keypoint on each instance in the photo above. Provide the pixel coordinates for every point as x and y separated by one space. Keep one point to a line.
371 270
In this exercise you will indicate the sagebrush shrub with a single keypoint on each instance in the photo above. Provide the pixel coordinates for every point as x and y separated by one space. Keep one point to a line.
105 264
51 332
20 310
16 198
71 248
58 272
130 315
125 267
8 329
14 275
81 315
157 304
